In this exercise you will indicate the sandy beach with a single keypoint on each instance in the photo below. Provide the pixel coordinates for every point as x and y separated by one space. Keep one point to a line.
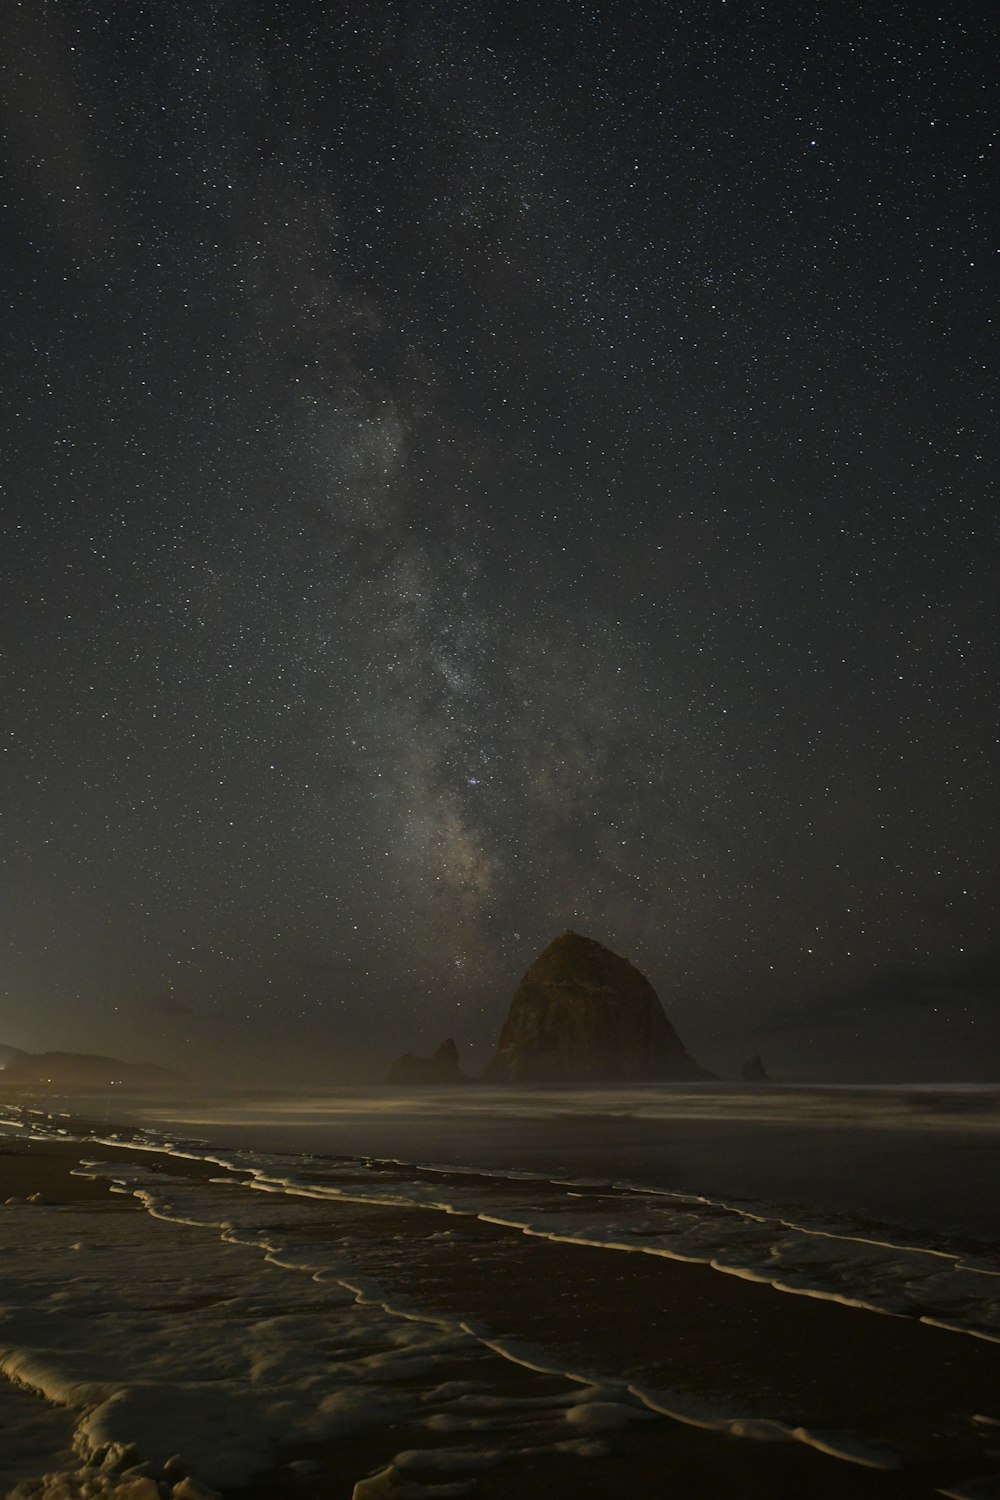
524 1362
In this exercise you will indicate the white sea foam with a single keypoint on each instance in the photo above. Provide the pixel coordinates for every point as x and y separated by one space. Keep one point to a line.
175 1334
879 1274
133 1372
876 1274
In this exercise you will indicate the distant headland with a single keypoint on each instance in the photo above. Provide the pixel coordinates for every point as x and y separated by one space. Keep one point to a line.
79 1070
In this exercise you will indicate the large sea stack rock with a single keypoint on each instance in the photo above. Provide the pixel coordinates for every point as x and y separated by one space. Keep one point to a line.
441 1067
583 1015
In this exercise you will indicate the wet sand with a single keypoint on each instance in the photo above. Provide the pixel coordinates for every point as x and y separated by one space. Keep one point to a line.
30 1167
658 1323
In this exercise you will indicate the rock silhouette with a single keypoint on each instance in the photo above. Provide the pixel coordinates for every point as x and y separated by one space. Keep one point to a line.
582 1014
754 1070
441 1067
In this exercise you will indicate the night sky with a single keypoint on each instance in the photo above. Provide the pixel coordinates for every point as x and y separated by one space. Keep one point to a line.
472 470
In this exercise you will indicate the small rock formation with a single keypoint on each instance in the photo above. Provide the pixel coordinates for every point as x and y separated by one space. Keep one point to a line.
754 1071
582 1014
442 1067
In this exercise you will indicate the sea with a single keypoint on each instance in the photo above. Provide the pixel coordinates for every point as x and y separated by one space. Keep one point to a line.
511 1276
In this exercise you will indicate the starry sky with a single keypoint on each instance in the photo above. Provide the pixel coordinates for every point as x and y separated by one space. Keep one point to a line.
471 470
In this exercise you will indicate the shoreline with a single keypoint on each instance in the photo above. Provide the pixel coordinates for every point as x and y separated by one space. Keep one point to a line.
490 1276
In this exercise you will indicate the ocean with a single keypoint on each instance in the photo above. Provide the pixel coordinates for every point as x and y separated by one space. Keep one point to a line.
379 1292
